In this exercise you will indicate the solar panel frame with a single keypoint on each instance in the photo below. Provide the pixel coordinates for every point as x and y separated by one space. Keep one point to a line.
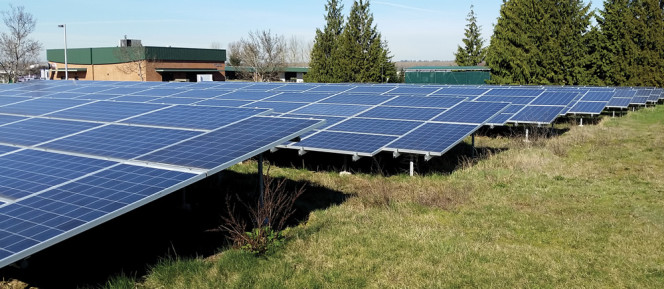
344 143
433 139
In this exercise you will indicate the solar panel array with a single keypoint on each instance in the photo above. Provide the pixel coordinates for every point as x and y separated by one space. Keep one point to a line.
76 154
363 120
69 163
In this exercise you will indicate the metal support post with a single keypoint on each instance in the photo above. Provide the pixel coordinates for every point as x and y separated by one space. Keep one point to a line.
472 153
581 123
412 166
261 185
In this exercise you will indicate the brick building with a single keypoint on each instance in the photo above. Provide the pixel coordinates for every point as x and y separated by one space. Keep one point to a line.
139 63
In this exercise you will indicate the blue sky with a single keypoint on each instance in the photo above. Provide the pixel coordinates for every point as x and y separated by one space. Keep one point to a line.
414 29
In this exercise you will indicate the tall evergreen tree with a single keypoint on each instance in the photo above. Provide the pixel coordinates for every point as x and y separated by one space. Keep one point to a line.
617 49
473 51
322 66
648 67
362 55
540 42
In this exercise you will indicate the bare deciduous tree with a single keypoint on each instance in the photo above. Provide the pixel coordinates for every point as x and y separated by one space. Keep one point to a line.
298 51
262 54
17 51
133 60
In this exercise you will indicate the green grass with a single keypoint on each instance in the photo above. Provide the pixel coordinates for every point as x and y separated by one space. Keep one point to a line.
582 210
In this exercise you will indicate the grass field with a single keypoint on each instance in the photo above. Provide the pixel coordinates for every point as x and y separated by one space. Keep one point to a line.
581 210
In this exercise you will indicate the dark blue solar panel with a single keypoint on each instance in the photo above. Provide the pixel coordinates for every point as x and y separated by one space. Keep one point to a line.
537 114
97 96
27 172
510 99
123 90
65 95
414 90
654 96
107 110
376 126
370 89
135 98
201 117
345 142
175 100
598 96
329 120
514 108
4 119
514 92
34 131
281 107
224 102
357 98
262 86
639 100
202 93
247 95
406 113
293 87
60 212
624 92
243 139
588 107
298 97
420 101
40 106
120 141
458 91
619 102
500 119
6 149
472 112
331 88
331 109
555 98
643 92
434 137
90 89
159 92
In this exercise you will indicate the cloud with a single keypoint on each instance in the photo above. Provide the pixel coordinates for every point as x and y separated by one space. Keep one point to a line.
408 7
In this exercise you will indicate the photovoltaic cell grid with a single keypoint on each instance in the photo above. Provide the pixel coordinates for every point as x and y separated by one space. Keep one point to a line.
61 169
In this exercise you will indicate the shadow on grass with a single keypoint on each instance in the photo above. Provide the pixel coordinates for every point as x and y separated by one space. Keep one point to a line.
181 225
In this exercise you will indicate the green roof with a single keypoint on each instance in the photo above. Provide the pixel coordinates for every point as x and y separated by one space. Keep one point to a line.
111 55
449 68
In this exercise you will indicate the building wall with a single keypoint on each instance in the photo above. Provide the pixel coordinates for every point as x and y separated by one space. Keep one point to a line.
129 71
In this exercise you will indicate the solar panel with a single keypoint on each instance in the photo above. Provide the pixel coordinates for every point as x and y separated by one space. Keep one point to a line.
159 92
433 138
420 101
375 126
34 131
555 98
639 100
202 93
224 102
231 143
364 99
120 141
97 96
413 90
370 89
331 88
246 95
619 102
26 172
281 107
31 224
624 92
500 119
123 90
6 149
598 96
346 143
298 97
508 99
332 109
39 106
472 112
457 91
588 107
195 117
537 114
135 98
107 111
174 100
514 92
404 113
65 95
4 119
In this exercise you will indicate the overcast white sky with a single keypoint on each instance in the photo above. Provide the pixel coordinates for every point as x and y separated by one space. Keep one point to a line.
415 29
